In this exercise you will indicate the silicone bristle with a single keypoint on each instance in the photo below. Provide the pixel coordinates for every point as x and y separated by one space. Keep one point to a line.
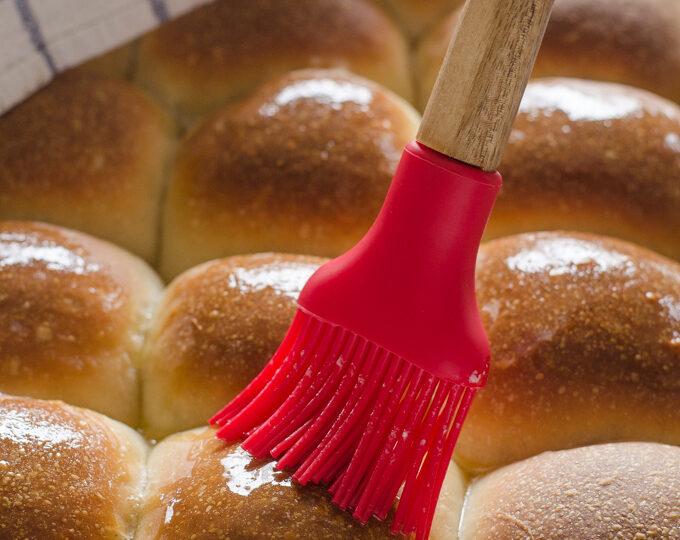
336 408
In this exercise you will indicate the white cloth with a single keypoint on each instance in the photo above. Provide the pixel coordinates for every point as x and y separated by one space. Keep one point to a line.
39 38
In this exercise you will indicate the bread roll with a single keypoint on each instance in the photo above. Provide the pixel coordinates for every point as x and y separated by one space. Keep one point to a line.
416 16
300 166
633 42
87 152
217 327
73 314
595 157
221 51
200 486
624 490
67 472
585 347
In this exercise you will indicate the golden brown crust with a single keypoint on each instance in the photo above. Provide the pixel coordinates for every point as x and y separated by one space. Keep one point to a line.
66 472
634 42
221 51
300 166
624 490
585 347
219 491
217 327
73 311
596 157
86 152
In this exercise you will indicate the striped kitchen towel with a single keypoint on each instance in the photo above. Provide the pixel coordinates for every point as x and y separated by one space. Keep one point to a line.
39 38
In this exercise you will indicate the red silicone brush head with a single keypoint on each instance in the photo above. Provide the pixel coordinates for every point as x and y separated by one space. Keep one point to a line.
370 387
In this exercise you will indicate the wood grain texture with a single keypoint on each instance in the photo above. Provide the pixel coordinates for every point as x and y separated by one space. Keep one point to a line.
480 85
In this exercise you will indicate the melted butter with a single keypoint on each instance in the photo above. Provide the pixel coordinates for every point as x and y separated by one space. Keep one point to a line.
577 103
559 256
323 91
23 428
672 307
242 478
672 142
286 279
587 101
17 249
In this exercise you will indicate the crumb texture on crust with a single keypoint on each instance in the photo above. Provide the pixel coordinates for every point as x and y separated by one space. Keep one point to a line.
200 486
216 328
88 152
623 490
73 314
585 347
222 50
66 473
301 166
591 156
634 42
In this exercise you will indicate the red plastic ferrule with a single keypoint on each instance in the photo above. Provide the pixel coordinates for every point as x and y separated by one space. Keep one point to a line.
408 285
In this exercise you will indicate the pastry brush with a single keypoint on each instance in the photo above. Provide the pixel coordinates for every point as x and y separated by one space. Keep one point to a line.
368 390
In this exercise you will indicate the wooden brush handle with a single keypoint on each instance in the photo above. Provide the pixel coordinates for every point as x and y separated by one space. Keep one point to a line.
480 85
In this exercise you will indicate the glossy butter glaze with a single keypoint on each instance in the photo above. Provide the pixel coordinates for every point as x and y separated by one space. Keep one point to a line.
634 42
585 346
65 473
596 157
217 327
310 151
218 491
59 302
73 313
300 166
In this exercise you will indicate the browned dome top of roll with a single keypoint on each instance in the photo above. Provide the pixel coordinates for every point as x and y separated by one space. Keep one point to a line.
221 490
64 297
80 137
223 320
312 152
577 305
61 469
624 490
636 42
585 346
601 156
243 33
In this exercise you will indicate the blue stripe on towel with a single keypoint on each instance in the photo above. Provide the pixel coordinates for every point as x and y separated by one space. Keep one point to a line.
33 29
160 10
